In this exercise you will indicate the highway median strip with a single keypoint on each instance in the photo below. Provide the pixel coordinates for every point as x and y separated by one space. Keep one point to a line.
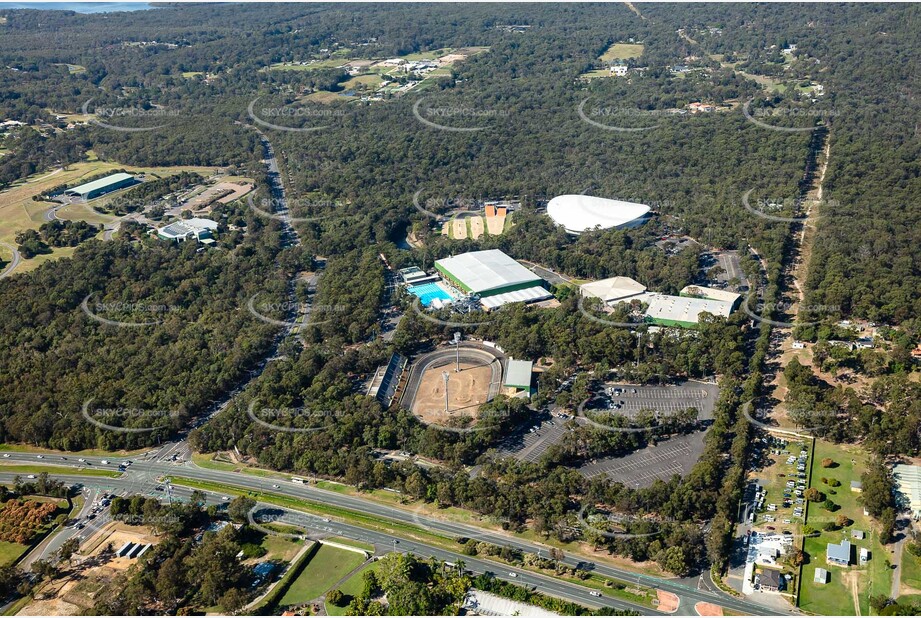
369 522
37 469
637 594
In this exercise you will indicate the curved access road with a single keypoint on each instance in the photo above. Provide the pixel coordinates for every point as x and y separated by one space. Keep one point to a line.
14 263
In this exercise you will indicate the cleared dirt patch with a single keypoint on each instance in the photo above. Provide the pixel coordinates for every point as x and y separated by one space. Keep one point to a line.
708 609
668 601
460 228
476 227
467 389
495 225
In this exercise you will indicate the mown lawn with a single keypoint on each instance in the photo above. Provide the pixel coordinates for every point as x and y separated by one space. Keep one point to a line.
351 588
911 569
26 469
10 552
622 51
874 578
327 567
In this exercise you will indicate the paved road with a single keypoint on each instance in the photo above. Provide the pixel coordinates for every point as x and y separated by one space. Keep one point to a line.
548 275
14 263
319 527
144 471
51 544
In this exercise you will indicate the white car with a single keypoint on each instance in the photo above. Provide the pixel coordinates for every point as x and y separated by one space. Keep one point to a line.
6 454
105 462
594 593
274 486
225 497
81 460
510 574
41 456
31 476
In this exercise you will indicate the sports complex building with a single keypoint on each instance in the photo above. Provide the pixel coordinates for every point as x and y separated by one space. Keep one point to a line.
581 213
102 186
494 277
685 311
662 309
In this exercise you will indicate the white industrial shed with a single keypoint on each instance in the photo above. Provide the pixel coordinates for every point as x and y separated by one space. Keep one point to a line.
613 289
580 213
699 291
908 484
668 310
494 276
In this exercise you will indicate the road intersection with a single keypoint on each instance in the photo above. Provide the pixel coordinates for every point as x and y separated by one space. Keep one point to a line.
142 477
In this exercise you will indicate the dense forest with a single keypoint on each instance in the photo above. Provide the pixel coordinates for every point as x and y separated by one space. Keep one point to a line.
356 180
149 334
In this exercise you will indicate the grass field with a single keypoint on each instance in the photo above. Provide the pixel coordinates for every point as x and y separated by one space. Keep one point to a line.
911 570
838 596
10 552
352 587
327 567
280 548
332 63
622 51
324 97
363 82
38 469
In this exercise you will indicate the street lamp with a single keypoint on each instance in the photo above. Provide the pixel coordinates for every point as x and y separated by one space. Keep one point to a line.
457 338
445 376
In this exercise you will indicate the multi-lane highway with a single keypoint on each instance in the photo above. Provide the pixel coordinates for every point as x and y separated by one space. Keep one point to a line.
142 476
319 527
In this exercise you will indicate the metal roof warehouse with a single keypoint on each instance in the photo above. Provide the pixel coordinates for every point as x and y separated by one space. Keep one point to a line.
493 276
102 186
518 374
682 310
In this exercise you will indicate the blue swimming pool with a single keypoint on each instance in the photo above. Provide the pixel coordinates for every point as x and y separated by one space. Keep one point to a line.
428 292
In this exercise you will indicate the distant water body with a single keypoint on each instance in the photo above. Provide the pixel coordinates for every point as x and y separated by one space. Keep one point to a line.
80 7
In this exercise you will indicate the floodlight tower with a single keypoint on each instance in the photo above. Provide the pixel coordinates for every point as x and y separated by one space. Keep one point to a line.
457 338
445 376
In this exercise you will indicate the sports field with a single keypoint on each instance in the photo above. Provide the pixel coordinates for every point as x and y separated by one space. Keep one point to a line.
476 227
467 389
460 228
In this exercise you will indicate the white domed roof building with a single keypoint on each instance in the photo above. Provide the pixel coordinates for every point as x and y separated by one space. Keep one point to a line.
582 213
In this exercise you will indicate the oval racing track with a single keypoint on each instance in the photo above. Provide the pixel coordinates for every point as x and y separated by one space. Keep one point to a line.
469 353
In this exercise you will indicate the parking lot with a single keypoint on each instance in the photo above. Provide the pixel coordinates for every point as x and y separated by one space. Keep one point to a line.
775 495
628 399
528 445
642 468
